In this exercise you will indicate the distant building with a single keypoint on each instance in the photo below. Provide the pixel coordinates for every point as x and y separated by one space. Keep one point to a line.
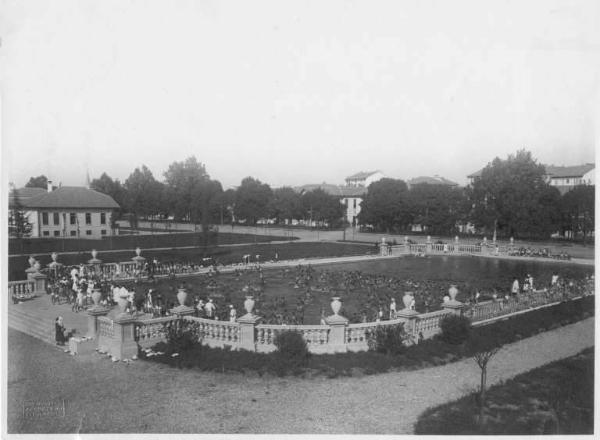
563 178
67 211
435 180
363 179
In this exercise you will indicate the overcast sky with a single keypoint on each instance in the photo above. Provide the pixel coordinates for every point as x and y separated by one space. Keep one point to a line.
296 92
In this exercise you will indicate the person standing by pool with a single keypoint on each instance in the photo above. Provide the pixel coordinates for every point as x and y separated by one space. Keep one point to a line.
232 313
393 309
209 308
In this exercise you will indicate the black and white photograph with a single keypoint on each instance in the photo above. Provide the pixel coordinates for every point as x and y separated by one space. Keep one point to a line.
345 218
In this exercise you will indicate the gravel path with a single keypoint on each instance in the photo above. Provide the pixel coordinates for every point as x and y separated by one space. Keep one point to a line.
172 400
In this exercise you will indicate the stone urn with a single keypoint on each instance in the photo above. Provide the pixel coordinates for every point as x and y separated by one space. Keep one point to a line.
407 300
94 253
336 305
31 261
54 256
96 295
36 266
249 304
452 292
456 239
406 239
138 251
181 296
429 239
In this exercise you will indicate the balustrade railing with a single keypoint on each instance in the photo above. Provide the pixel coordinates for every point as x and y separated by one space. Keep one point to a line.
428 324
21 289
150 331
316 336
217 333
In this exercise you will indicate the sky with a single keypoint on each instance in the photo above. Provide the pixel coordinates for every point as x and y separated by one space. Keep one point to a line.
295 92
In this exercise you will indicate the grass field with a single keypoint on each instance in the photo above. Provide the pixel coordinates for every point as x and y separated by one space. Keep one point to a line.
557 398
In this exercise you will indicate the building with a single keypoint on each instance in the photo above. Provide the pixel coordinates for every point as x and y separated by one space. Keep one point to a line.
363 179
563 178
435 180
67 211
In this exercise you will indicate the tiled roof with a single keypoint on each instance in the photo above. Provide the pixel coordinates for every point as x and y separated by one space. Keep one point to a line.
574 171
333 190
435 180
361 175
72 197
24 194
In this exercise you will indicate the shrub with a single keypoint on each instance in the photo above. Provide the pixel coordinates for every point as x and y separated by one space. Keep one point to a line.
455 329
181 336
389 339
292 352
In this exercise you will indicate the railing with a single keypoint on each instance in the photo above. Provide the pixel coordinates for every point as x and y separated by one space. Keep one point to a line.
106 327
21 289
469 248
217 333
316 336
150 331
427 325
417 248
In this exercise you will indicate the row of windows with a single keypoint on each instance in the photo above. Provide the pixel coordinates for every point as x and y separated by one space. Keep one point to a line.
71 233
72 218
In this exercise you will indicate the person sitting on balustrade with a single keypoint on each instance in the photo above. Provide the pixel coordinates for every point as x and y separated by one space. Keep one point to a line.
59 330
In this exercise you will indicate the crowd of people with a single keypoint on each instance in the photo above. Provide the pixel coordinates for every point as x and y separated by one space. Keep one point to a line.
537 252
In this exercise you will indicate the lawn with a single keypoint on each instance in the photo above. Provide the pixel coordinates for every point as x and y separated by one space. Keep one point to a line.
557 398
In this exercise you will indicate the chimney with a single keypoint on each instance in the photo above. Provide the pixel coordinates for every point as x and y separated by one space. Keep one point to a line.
49 185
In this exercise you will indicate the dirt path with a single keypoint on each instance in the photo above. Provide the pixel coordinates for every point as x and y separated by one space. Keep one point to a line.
145 397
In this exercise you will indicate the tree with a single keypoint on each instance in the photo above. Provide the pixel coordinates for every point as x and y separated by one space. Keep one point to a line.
483 348
252 199
105 184
513 198
323 208
286 204
143 193
386 206
18 223
438 208
37 182
577 209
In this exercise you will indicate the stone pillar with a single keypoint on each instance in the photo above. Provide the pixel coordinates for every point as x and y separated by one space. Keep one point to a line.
409 317
39 280
428 246
123 343
454 306
93 315
247 340
337 333
182 310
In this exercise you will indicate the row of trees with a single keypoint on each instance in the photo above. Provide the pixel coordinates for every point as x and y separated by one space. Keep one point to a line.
512 197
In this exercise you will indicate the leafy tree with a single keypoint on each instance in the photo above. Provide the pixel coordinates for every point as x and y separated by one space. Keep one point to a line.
105 184
37 182
386 206
578 210
143 193
322 207
437 207
252 199
18 223
513 198
286 204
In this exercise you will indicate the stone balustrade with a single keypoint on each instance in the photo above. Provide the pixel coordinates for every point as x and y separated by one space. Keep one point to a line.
217 333
427 325
21 289
316 336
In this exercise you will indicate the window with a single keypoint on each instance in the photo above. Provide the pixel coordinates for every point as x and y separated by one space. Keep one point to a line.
88 232
88 218
72 218
44 218
73 233
46 233
103 232
57 233
56 218
103 218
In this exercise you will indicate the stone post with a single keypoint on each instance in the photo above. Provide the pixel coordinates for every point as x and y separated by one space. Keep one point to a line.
337 328
247 340
409 317
93 314
428 245
453 306
31 269
39 280
124 345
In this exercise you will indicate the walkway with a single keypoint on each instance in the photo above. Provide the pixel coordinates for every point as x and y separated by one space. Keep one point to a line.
108 397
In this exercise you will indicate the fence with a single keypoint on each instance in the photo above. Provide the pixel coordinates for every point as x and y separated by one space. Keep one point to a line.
21 289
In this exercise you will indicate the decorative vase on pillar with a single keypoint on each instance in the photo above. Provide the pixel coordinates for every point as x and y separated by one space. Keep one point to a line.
407 300
94 253
456 239
36 266
181 296
138 251
31 261
54 256
336 305
453 291
96 295
122 303
249 304
429 239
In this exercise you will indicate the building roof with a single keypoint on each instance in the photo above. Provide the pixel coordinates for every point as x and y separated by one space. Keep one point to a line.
23 194
573 171
435 180
73 197
333 190
361 175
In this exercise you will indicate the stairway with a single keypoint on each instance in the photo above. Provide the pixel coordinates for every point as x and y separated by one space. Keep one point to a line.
36 318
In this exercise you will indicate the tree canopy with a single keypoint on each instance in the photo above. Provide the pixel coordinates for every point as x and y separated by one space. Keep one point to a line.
37 182
252 200
386 205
